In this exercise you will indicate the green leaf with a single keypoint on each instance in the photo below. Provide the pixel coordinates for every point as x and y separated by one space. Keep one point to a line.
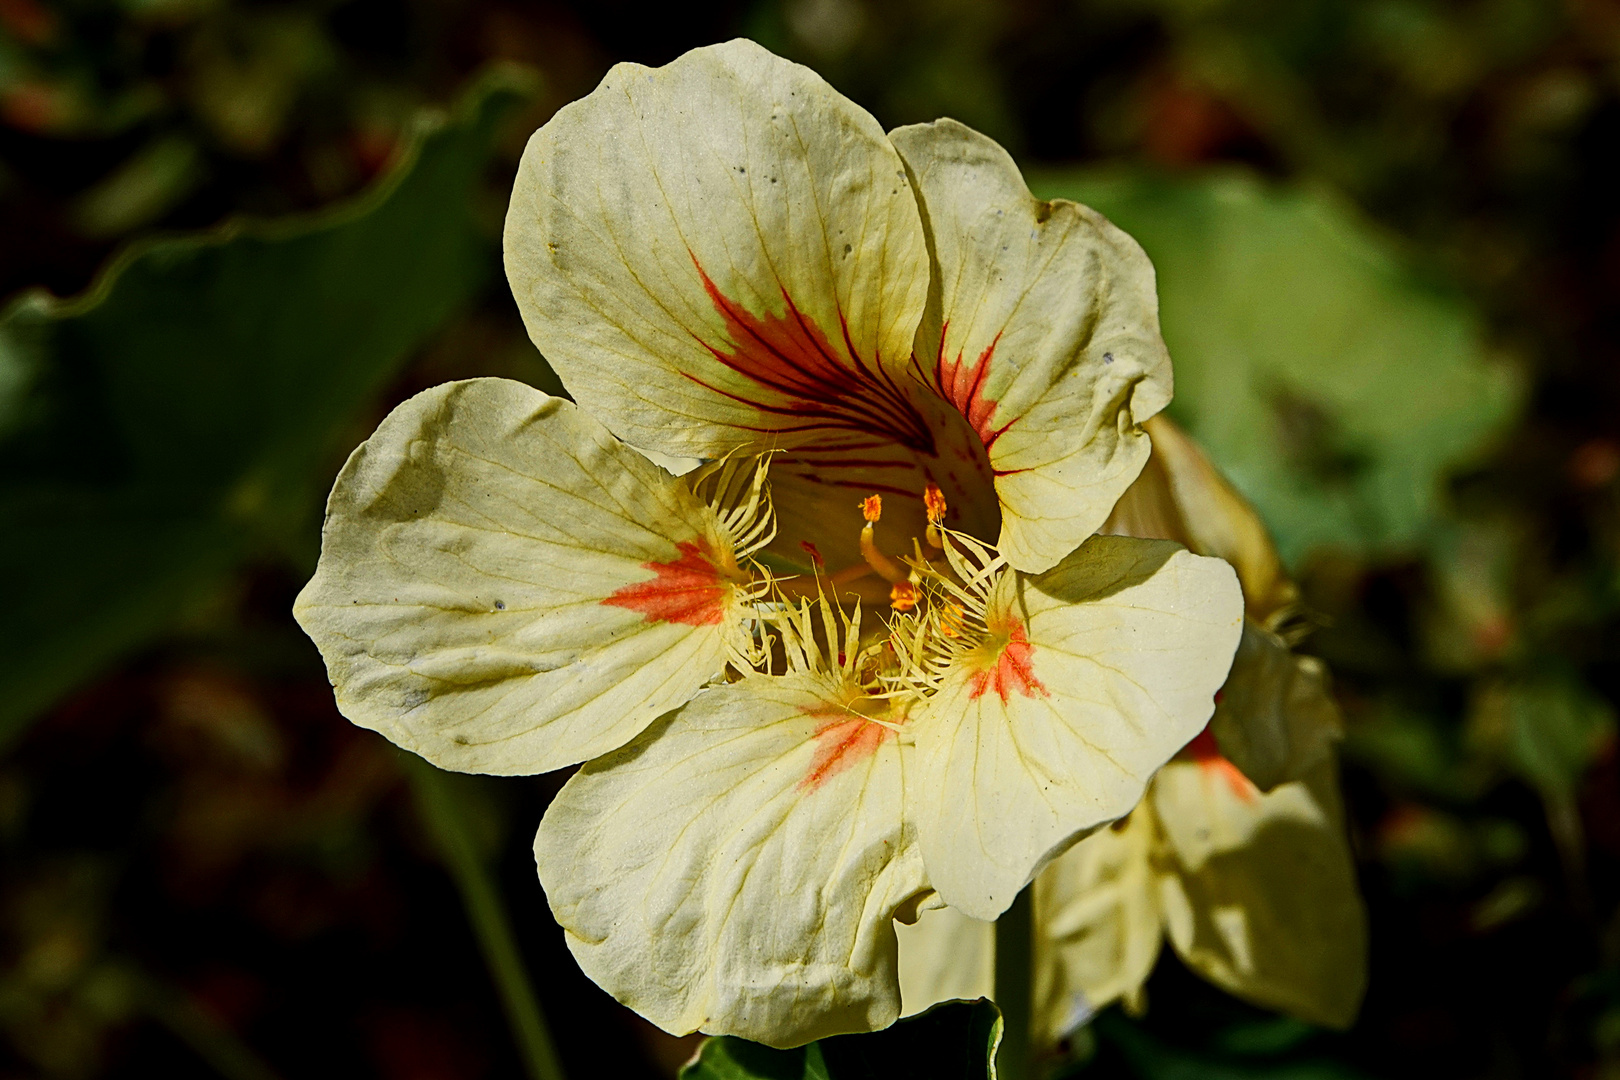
1547 729
1149 1058
1333 385
953 1041
179 415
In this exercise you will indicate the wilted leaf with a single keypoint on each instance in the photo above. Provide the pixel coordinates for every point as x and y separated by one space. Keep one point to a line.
954 1041
1332 385
157 428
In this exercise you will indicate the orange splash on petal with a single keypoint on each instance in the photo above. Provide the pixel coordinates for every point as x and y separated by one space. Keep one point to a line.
842 741
1207 753
687 589
1013 670
962 384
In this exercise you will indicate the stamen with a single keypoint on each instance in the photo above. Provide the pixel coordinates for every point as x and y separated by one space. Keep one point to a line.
848 574
934 504
952 617
903 597
815 556
872 508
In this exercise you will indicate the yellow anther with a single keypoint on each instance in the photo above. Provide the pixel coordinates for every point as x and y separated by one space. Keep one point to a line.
950 620
903 597
872 507
934 504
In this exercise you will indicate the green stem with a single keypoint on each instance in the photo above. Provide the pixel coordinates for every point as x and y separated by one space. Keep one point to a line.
196 1027
445 815
1015 991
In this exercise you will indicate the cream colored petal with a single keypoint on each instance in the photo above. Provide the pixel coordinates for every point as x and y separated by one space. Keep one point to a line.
1098 925
945 956
719 252
1220 522
1105 666
738 867
1276 717
506 588
1043 329
1266 904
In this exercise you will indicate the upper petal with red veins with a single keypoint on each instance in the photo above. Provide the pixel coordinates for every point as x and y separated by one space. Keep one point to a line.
723 251
505 587
1044 334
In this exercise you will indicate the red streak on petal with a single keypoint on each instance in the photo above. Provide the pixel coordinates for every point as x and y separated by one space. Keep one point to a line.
803 376
963 386
1204 750
842 741
1012 671
687 589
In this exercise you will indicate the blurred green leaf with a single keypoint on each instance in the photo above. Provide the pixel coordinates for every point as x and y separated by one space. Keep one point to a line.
181 413
1151 1059
1333 385
1417 751
954 1041
151 183
1547 730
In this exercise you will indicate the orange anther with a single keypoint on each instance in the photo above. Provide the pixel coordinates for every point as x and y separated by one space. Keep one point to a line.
903 597
950 620
934 503
872 507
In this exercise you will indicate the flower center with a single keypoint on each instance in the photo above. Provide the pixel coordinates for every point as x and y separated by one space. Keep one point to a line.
844 424
1004 664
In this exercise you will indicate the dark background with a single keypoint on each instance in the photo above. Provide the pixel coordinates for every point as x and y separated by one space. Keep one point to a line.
207 871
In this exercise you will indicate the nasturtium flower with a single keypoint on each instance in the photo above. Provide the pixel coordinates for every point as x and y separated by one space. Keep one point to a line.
724 254
869 656
1254 888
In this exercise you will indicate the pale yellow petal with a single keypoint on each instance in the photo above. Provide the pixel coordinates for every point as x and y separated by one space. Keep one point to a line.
737 869
1181 496
1263 899
719 252
1098 925
506 588
1276 717
1100 670
1043 329
945 956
